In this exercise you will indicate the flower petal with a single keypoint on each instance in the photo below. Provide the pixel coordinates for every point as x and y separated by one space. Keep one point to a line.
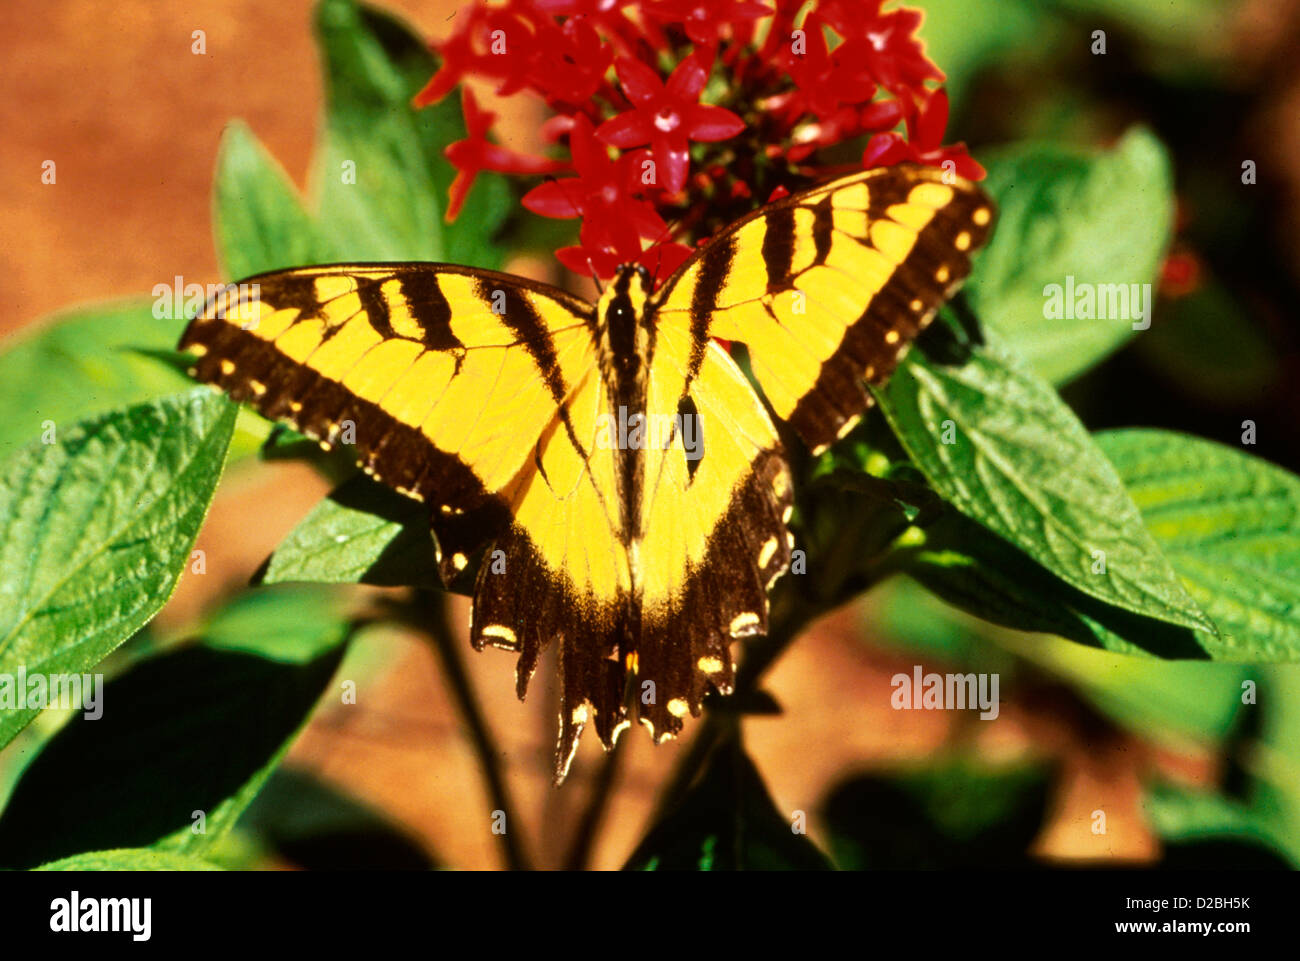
687 80
628 129
556 198
641 84
706 122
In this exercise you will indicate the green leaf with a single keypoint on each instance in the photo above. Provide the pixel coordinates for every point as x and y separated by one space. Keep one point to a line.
1170 701
955 814
726 822
362 533
984 575
86 361
259 220
1202 829
130 859
195 729
1103 219
94 531
382 174
1018 462
1230 525
293 625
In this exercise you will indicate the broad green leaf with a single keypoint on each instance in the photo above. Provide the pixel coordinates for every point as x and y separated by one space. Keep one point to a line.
130 859
1230 525
259 220
381 172
362 533
195 729
726 822
1170 700
1178 813
86 361
293 625
95 529
953 814
1101 219
1002 447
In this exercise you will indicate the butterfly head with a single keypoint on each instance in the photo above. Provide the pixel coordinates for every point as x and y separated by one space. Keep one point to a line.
621 314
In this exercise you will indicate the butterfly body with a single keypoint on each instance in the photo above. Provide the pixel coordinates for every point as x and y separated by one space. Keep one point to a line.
621 471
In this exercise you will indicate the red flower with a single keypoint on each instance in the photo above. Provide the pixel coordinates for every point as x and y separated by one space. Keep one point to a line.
814 83
890 51
706 21
823 80
924 143
476 153
613 219
491 43
602 191
667 116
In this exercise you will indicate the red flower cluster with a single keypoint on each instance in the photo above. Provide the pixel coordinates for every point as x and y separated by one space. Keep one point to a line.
754 97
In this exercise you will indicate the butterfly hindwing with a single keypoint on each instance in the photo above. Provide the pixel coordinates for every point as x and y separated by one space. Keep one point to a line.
826 289
714 516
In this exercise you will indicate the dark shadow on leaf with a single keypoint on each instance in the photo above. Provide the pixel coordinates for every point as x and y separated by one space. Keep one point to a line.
174 359
951 815
180 733
951 340
725 822
1003 585
317 827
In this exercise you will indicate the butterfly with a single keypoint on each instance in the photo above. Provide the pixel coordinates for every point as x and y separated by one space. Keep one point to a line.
619 476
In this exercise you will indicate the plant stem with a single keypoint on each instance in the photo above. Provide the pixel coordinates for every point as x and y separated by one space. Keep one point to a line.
584 834
434 611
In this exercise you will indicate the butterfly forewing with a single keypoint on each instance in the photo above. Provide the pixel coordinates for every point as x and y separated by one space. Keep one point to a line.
827 289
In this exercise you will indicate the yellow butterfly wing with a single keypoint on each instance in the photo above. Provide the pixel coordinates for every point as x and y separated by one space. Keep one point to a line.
826 289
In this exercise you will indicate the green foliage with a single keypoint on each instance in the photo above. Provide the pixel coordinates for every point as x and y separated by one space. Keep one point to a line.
955 814
260 223
1099 218
96 528
293 625
726 822
130 859
83 362
316 826
228 719
362 533
1003 448
381 172
1230 525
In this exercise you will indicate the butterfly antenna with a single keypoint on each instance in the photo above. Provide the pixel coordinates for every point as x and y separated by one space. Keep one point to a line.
669 230
577 212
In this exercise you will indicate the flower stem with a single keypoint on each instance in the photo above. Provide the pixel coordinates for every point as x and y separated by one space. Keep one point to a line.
433 607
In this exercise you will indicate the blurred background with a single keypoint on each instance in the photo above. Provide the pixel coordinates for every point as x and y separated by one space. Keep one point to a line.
1184 773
